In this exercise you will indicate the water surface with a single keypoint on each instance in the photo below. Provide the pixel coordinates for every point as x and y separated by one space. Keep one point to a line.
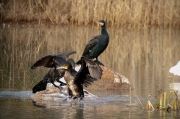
144 56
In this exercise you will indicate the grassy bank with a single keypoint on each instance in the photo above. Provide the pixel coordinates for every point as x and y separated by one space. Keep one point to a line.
115 12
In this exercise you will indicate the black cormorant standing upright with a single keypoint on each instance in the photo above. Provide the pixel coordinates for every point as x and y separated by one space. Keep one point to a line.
97 44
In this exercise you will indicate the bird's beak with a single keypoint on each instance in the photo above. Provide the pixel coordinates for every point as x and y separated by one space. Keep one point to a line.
63 67
100 23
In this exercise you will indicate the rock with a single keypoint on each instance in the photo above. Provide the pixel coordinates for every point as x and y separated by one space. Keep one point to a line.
110 80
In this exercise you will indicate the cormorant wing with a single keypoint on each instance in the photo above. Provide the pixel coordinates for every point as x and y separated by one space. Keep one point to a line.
43 61
90 44
61 58
70 60
94 69
65 54
88 73
88 80
51 61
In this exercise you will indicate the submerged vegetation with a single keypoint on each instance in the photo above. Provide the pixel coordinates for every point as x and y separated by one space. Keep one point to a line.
132 13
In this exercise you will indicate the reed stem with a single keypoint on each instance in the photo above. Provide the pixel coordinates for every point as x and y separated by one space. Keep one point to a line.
165 102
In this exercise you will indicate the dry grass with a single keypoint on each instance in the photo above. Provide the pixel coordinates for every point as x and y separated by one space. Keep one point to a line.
116 12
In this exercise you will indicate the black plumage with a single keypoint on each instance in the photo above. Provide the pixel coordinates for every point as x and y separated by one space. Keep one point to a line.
88 73
97 44
54 61
50 77
54 74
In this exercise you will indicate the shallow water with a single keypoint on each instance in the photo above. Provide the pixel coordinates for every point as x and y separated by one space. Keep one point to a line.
144 56
17 104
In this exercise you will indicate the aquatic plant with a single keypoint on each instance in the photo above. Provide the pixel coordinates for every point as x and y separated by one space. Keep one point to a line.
168 103
149 105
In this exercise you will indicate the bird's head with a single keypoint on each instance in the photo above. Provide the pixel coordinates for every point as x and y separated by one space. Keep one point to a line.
101 23
66 66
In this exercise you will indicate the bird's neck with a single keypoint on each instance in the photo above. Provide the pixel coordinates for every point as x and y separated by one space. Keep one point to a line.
103 30
69 70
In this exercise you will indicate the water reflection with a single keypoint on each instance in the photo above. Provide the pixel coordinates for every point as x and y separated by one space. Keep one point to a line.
144 56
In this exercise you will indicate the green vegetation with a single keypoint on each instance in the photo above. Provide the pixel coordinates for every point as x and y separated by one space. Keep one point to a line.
131 13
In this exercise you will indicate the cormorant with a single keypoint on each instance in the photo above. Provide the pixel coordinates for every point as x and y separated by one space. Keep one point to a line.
54 74
97 44
50 77
87 74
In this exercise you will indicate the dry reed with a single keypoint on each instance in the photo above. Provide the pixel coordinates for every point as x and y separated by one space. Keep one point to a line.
133 13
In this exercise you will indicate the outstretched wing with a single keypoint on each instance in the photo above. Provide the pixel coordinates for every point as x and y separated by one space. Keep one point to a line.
52 61
89 72
44 61
94 69
66 54
88 80
49 61
90 44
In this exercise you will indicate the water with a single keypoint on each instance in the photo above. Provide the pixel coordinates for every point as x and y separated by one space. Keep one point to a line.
144 56
17 104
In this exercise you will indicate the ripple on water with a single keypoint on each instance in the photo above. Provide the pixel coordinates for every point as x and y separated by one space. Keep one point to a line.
15 94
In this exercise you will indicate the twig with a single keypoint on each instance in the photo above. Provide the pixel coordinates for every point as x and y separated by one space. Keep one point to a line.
140 101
